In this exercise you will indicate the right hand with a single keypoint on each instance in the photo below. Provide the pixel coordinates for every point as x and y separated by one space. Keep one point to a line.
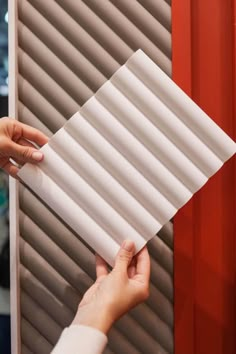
115 293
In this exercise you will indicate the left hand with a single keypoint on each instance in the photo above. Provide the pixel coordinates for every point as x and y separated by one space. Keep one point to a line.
15 143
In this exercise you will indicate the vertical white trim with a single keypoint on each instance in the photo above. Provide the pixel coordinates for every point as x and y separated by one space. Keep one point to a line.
13 184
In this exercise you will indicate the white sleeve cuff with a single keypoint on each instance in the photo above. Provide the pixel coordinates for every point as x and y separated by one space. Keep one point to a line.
78 339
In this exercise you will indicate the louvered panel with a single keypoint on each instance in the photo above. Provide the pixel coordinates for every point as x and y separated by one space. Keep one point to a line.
166 234
61 65
52 64
33 339
129 32
143 20
29 118
40 294
33 313
54 40
43 83
74 275
160 9
25 349
31 98
77 36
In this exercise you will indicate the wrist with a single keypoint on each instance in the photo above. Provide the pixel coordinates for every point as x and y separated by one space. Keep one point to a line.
100 320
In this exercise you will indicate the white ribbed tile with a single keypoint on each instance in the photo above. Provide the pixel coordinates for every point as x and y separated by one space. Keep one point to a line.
129 159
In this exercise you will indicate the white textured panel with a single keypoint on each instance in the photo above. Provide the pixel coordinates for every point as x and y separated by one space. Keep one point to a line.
129 159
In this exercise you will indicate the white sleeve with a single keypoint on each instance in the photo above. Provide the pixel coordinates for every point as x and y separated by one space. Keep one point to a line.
78 339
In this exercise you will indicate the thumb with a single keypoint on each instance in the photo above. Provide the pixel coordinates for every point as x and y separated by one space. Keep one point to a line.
25 153
124 256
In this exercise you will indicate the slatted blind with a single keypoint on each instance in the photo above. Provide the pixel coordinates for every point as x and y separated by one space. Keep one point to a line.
66 51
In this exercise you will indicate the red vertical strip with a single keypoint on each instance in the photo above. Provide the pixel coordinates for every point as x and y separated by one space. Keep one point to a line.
205 229
234 128
183 230
214 212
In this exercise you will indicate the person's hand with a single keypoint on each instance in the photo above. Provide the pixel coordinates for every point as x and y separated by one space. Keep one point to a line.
115 293
15 143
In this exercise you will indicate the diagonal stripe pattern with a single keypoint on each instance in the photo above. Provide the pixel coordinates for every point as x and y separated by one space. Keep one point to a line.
61 65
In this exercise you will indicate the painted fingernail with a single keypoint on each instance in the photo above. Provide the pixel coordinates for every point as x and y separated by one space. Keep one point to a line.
37 155
128 245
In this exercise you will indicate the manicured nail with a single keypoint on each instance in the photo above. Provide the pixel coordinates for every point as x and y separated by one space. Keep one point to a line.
37 155
128 245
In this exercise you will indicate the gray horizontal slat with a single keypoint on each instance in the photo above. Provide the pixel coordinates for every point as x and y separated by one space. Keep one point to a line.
160 9
161 253
98 29
145 22
40 294
160 304
32 338
37 103
76 35
53 254
27 117
138 337
55 67
25 349
129 32
54 39
159 330
44 84
166 234
48 276
57 230
119 344
34 314
163 279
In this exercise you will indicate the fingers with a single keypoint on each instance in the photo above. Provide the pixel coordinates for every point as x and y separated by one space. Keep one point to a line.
132 268
14 144
25 142
143 265
10 169
101 267
33 134
25 153
124 256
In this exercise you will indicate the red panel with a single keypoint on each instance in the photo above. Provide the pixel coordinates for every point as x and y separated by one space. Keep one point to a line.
205 230
183 230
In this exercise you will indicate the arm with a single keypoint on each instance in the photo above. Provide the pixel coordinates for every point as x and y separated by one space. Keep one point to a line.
111 296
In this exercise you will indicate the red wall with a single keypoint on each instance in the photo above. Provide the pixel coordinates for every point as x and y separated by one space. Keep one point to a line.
205 229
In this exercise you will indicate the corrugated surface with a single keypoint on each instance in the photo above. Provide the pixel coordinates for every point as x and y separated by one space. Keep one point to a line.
67 50
129 159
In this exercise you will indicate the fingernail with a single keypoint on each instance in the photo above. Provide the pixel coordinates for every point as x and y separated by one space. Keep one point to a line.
37 155
128 245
